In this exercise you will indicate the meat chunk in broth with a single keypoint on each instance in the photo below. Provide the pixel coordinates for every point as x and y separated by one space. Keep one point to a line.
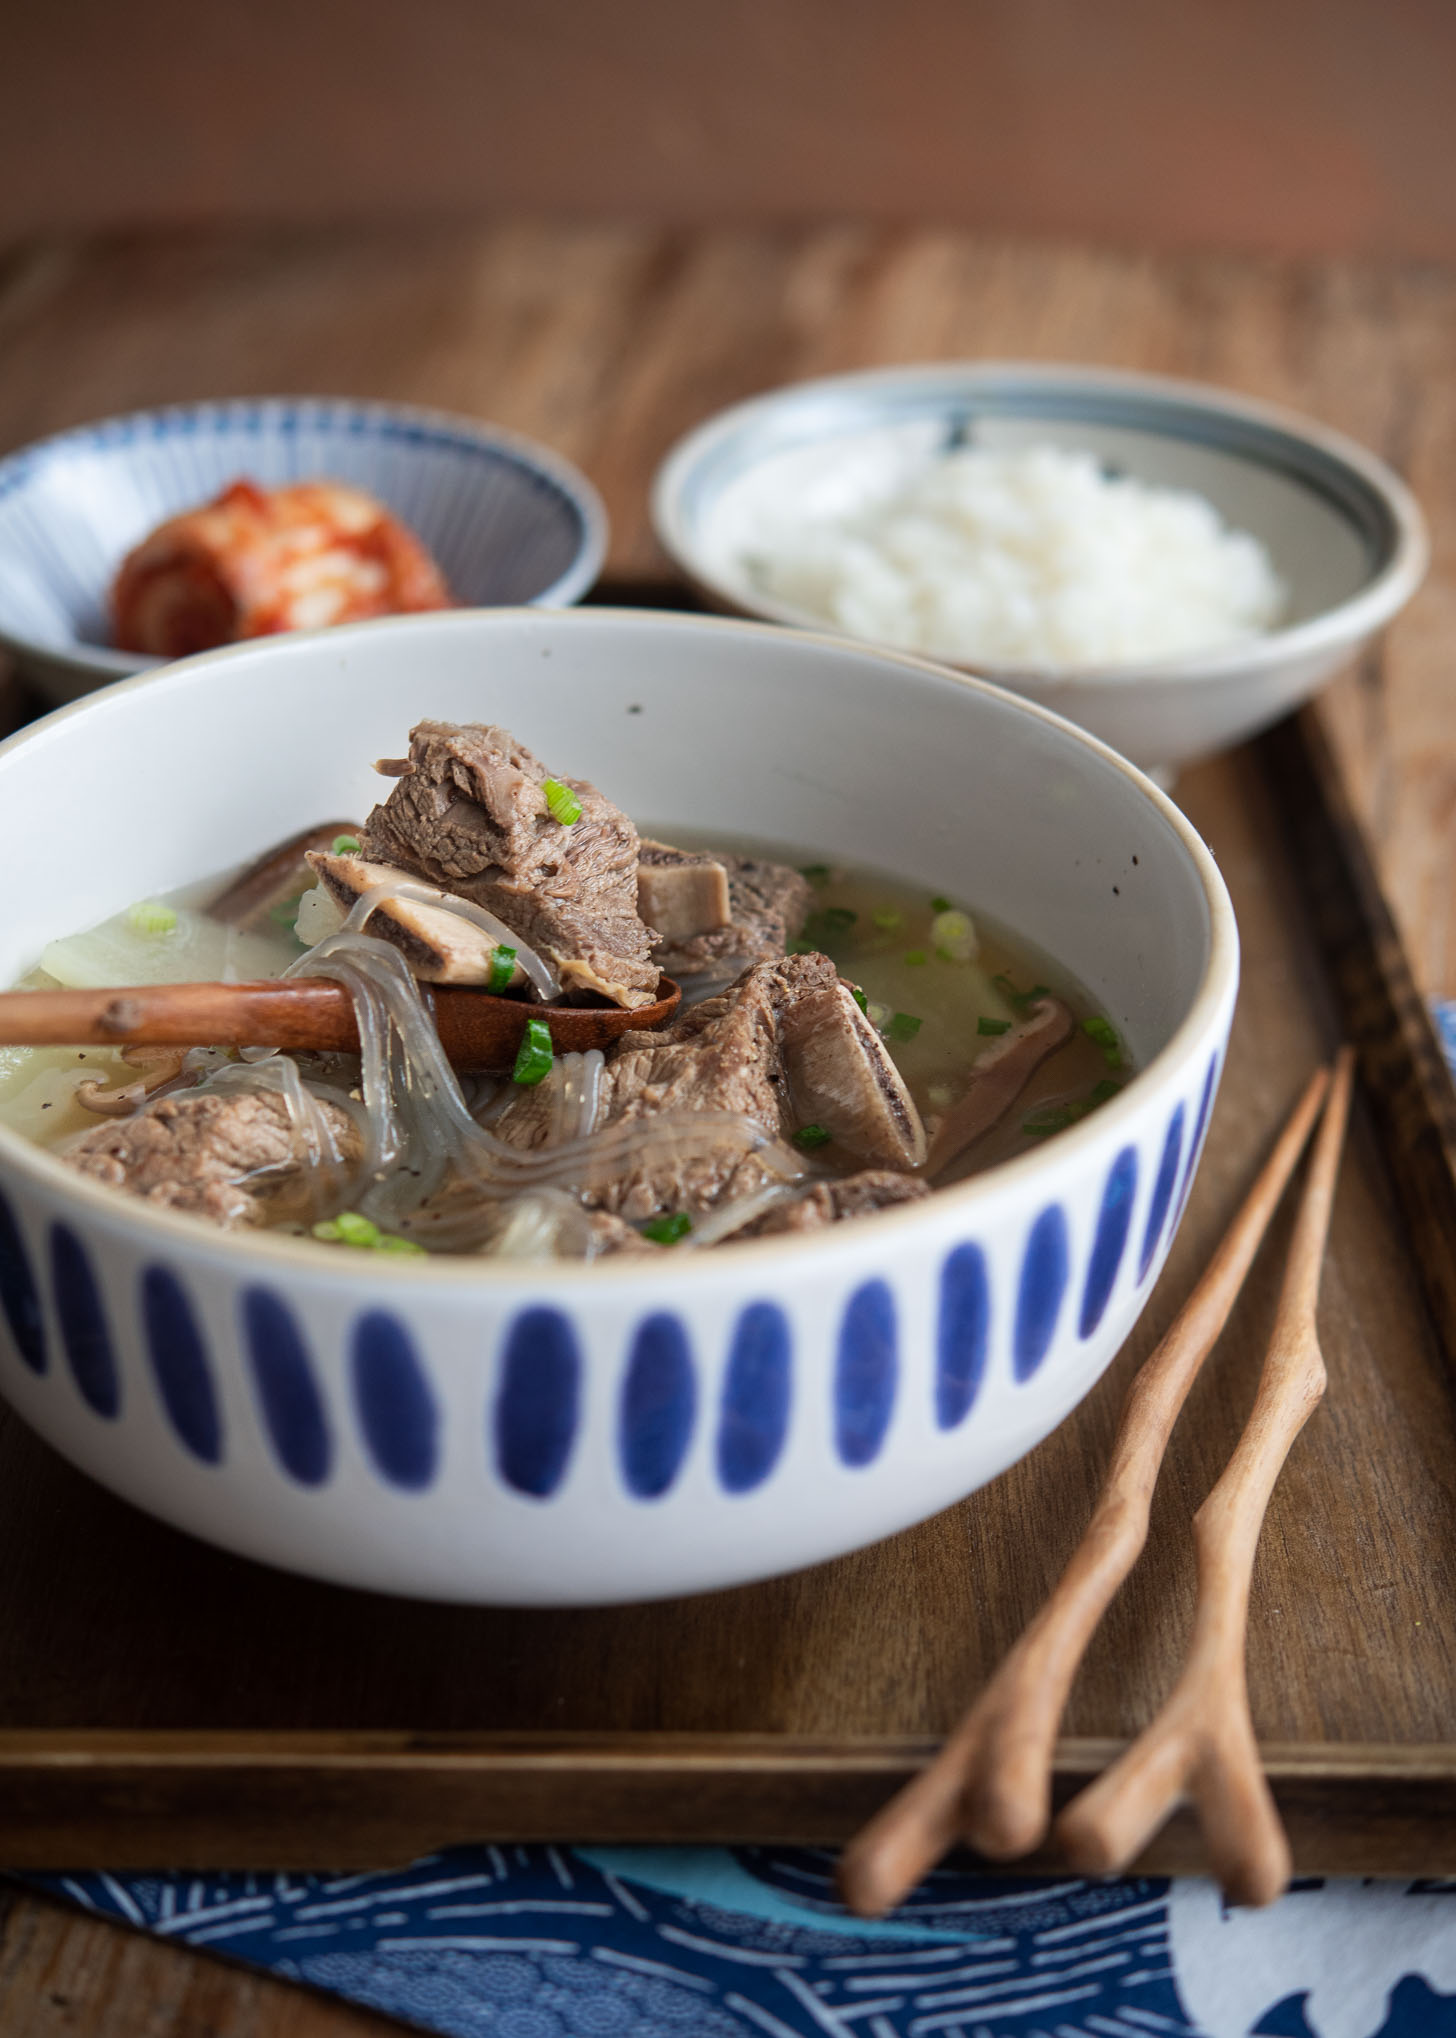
743 1055
830 1202
768 904
230 1155
843 1079
472 812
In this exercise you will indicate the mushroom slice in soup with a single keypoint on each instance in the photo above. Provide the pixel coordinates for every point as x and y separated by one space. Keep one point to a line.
998 1079
275 877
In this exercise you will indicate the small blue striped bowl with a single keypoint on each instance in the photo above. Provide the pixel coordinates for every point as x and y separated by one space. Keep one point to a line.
507 521
555 1434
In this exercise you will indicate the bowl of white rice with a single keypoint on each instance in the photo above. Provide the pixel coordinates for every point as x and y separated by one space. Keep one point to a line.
1171 566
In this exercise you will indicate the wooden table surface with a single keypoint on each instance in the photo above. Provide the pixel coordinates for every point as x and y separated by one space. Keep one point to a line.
608 341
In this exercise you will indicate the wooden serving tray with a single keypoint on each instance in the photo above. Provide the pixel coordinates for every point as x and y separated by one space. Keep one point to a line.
163 1705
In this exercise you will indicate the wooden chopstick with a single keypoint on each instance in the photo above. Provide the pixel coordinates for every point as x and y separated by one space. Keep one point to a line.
991 1782
1202 1742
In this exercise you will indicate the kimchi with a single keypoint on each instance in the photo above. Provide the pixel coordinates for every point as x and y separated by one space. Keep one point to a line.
260 560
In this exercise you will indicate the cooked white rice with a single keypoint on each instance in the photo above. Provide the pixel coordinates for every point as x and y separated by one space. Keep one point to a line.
1032 557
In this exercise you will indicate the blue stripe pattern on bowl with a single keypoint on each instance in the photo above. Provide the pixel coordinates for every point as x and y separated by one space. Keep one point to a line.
289 1399
397 1412
962 1334
1114 1221
1162 1191
866 1374
659 1405
534 1420
753 1419
85 1333
178 1355
19 1296
1039 1293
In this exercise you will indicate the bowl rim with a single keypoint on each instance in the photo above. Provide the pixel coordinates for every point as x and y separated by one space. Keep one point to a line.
262 1248
478 434
1372 605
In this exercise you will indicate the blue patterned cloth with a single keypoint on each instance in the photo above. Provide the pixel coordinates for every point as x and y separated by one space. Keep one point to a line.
685 1942
717 1942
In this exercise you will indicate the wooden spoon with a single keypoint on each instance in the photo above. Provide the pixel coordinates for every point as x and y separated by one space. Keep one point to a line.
477 1031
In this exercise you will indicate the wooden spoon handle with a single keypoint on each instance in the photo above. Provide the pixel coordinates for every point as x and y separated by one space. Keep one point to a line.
991 1782
477 1030
303 1012
1203 1740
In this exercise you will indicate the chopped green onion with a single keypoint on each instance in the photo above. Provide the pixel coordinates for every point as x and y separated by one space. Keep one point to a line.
353 1229
502 969
149 916
916 958
940 905
903 1026
954 936
668 1230
827 926
1105 1034
802 947
346 845
533 1061
563 802
814 871
1004 984
356 1230
860 999
810 1136
286 911
886 917
1056 1118
985 1025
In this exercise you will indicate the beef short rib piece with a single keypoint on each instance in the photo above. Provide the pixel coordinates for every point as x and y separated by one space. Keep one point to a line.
841 1076
468 813
744 1053
767 906
228 1155
722 1056
440 947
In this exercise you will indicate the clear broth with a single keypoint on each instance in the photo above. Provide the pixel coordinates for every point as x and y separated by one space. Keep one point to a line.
938 1010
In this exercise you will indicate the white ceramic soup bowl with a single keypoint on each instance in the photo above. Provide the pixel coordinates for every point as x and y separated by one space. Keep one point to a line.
569 1434
1344 533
